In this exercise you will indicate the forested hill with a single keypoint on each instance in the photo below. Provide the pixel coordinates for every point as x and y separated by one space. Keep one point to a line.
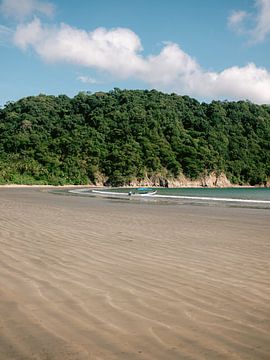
124 135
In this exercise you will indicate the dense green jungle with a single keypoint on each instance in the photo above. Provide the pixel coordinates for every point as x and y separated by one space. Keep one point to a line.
120 136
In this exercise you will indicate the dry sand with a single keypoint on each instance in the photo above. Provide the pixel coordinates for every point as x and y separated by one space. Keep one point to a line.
84 278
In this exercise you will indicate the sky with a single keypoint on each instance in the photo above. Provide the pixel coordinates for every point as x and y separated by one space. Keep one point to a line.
207 49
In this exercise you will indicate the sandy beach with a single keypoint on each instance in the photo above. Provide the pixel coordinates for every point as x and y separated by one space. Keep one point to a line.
88 278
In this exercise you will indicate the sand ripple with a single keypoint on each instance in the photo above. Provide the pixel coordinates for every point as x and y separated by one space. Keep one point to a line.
92 279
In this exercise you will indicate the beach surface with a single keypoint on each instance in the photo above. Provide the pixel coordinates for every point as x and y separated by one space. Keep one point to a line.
89 278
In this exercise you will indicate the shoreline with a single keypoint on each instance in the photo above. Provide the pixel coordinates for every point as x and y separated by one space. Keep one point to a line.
131 187
17 186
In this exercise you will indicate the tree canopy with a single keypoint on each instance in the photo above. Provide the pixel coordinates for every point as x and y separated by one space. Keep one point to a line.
123 135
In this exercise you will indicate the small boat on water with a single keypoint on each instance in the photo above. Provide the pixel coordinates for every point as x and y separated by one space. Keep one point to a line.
140 192
144 193
144 189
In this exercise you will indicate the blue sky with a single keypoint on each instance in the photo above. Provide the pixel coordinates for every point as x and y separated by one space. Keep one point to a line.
206 49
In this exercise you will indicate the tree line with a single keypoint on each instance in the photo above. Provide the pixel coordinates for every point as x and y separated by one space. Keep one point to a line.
123 135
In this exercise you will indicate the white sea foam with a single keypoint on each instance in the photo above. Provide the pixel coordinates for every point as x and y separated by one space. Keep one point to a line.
212 199
176 197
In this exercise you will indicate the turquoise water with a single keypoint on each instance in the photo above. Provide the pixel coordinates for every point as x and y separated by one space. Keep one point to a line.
240 197
227 193
232 193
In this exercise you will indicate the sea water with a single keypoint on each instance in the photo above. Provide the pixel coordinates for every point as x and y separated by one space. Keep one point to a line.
255 197
232 196
227 193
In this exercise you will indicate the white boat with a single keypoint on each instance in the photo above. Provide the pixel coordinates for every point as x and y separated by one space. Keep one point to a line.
130 193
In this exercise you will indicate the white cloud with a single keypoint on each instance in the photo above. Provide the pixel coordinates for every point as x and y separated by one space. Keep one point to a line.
87 79
118 52
247 82
111 50
260 19
262 28
236 20
20 9
170 66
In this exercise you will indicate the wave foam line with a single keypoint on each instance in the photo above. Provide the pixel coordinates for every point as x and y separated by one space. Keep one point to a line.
113 193
212 199
101 192
106 193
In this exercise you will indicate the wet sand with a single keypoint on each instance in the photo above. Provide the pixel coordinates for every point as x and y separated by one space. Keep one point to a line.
86 278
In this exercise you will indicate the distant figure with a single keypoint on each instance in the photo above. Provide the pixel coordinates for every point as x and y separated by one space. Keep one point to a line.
129 193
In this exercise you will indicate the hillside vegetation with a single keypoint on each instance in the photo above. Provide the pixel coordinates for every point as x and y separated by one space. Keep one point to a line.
124 135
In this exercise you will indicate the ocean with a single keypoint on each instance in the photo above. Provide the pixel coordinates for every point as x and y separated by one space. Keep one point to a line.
253 197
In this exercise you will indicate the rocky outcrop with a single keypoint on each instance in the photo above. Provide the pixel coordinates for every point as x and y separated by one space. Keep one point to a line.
158 180
100 179
211 180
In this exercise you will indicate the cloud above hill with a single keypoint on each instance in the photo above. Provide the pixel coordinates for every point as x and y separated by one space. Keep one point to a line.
118 52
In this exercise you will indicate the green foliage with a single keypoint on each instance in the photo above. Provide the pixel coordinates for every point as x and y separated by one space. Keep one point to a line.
123 135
